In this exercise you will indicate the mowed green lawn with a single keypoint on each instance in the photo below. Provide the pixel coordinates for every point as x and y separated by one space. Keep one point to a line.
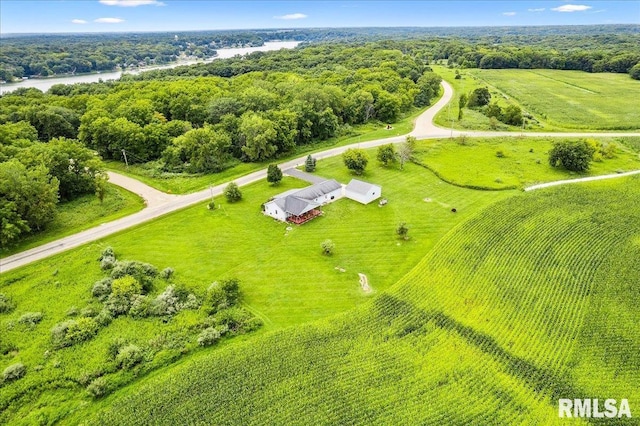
284 278
524 161
571 99
80 214
531 300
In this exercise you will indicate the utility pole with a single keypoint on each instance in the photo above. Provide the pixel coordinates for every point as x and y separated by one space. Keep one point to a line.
124 153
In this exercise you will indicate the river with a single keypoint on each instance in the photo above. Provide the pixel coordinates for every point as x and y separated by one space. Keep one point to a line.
45 84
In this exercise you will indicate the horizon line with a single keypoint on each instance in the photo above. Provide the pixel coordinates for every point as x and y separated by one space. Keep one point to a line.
311 28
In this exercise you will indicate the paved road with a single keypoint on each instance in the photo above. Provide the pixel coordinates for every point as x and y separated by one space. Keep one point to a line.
159 205
585 179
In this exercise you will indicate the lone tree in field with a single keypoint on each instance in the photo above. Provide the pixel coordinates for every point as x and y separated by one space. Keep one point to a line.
327 247
406 150
310 164
356 160
387 154
572 155
274 174
403 231
232 192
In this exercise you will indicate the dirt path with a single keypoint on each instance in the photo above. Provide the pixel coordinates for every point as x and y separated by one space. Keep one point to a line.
160 204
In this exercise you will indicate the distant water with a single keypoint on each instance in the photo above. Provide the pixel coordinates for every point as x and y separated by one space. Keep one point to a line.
45 84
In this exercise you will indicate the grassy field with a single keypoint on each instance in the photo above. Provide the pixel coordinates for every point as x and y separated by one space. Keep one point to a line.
523 161
558 100
285 279
531 300
80 214
183 183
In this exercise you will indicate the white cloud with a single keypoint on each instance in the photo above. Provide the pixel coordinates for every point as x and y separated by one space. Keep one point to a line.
78 21
541 9
571 8
109 20
131 3
509 13
291 16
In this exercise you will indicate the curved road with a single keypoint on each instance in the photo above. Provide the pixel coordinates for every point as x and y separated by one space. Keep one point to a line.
159 204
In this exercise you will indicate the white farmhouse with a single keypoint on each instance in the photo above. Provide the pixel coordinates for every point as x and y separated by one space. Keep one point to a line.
301 205
362 192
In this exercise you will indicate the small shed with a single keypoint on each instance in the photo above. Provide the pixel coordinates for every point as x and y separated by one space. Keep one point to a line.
362 192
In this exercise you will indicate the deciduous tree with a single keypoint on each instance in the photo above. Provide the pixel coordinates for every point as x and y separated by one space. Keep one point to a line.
356 160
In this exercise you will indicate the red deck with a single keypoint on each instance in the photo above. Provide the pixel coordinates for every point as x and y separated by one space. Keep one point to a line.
305 217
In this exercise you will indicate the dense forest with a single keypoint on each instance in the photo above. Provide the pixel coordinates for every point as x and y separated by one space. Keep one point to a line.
592 48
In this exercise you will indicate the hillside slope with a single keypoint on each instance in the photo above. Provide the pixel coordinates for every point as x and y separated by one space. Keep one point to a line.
531 300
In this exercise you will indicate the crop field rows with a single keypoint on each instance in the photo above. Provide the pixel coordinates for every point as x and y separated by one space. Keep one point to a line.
570 99
435 349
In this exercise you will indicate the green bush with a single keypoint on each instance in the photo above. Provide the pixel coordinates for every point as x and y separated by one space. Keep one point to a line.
14 372
129 356
102 289
107 259
104 318
98 387
142 272
140 306
172 300
30 318
236 320
167 273
125 286
327 247
223 295
6 304
71 332
232 192
209 336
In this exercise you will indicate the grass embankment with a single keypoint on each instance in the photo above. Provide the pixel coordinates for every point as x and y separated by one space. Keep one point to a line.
80 214
284 277
512 162
558 100
178 183
532 300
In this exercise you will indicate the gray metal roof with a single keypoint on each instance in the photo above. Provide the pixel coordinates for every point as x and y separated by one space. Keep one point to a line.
360 187
318 190
297 206
299 201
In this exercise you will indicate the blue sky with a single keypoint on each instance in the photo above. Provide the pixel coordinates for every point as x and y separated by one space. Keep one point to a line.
43 16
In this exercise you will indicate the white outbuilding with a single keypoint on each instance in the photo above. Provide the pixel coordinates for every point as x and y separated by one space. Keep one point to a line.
362 192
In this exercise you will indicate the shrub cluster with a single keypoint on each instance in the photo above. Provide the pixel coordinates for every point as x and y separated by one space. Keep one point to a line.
223 295
6 304
71 332
30 319
14 372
